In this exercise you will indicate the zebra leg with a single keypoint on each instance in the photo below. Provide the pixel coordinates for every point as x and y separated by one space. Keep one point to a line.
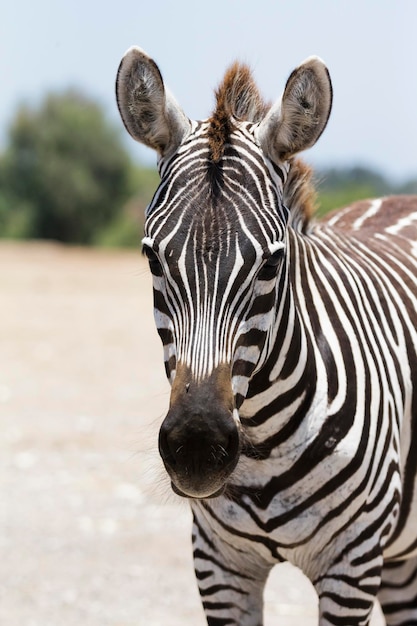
398 592
348 590
352 609
231 584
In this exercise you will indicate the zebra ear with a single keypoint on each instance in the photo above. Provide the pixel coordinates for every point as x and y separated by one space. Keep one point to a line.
149 113
297 121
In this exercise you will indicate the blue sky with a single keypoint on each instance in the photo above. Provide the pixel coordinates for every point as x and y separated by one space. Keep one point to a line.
370 48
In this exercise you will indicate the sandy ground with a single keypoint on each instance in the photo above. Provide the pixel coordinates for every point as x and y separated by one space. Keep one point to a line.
90 533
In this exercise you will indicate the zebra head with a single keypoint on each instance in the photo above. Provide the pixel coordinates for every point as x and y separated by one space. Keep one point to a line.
215 238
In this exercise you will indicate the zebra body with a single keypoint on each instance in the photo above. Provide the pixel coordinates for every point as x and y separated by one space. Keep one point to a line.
291 348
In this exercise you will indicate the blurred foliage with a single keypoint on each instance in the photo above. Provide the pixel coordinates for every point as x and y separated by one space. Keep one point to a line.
66 175
338 187
125 229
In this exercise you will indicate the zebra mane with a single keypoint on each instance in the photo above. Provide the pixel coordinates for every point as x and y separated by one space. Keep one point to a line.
299 195
236 97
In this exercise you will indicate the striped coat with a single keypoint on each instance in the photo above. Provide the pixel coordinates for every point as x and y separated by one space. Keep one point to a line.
290 346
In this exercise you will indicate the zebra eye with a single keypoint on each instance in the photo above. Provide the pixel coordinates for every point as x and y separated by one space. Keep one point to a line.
270 267
154 263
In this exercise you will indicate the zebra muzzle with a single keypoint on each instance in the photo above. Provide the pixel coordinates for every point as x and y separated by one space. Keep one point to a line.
199 439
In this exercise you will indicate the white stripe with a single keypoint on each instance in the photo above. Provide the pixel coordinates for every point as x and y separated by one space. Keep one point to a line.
402 223
373 209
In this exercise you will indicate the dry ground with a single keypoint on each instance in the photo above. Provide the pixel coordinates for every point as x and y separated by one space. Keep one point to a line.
89 532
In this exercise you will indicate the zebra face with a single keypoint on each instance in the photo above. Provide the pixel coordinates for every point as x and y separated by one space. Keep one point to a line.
215 240
216 264
199 439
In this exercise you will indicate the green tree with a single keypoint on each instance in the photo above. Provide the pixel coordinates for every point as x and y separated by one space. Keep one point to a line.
65 173
338 187
126 229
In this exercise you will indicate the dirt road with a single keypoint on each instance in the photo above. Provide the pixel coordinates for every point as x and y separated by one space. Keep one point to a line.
90 533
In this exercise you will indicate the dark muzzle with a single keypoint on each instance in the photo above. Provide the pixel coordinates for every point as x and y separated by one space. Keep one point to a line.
199 439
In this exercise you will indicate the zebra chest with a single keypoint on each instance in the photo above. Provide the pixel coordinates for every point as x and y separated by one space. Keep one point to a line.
303 491
285 509
313 466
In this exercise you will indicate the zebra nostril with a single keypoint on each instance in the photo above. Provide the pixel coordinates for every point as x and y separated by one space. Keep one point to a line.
233 443
167 449
227 450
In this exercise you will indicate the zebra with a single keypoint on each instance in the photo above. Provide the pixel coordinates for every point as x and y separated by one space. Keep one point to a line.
290 345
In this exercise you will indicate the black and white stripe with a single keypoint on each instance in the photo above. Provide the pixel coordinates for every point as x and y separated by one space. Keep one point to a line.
305 333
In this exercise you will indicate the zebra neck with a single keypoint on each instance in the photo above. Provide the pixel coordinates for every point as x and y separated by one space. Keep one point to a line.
288 385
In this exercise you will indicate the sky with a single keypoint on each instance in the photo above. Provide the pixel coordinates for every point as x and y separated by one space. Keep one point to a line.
369 46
